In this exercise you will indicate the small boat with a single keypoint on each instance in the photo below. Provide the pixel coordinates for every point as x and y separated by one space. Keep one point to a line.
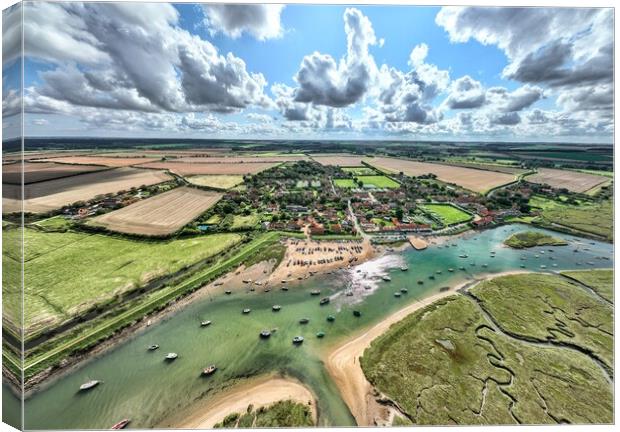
320 334
89 385
493 252
121 424
404 290
209 370
357 313
315 292
543 266
284 288
404 268
444 289
153 347
324 301
463 256
461 268
450 270
298 340
276 308
386 278
438 272
420 282
397 294
431 277
171 356
148 323
205 323
265 334
247 311
349 293
331 318
522 265
304 321
485 265
228 292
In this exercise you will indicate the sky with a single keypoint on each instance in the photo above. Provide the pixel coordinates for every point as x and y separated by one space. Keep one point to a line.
309 72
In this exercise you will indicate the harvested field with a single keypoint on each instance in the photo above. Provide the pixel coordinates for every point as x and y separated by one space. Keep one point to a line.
99 160
36 172
472 179
489 167
571 180
53 194
341 160
187 169
223 181
241 159
160 215
41 154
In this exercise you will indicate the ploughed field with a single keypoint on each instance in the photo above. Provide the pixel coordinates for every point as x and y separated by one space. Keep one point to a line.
190 168
341 160
68 273
469 178
531 348
242 159
51 195
162 214
572 180
34 172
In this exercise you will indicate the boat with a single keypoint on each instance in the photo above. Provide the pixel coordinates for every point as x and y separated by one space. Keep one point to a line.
438 272
397 294
522 265
171 356
331 318
431 277
485 265
153 347
543 266
404 268
276 308
315 292
298 340
444 289
450 270
404 290
349 293
461 268
247 311
228 292
284 288
357 313
265 334
89 385
324 301
148 323
463 256
386 278
420 282
121 424
205 323
209 370
320 334
304 321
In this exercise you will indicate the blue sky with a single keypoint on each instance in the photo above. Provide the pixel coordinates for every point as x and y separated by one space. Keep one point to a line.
314 71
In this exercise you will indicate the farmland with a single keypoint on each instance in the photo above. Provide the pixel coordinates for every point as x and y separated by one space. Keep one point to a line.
59 286
345 183
241 159
362 170
378 181
341 160
571 180
160 215
222 181
188 168
36 172
99 160
502 168
449 364
448 214
50 195
472 179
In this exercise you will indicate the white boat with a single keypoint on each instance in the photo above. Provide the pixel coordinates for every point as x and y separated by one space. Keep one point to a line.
171 356
88 385
386 278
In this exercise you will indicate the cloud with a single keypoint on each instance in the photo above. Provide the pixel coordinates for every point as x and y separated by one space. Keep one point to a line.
466 93
11 34
322 81
134 58
519 99
262 21
508 119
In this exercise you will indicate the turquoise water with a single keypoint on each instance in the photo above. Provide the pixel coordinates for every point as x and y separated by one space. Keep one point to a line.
138 384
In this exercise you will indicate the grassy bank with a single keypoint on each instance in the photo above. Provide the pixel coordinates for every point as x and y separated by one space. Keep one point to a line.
469 359
280 414
528 239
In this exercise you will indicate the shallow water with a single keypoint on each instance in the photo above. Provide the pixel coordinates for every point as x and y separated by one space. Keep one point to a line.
138 384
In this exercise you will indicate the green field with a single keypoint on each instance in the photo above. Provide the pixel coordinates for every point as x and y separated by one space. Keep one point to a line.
345 183
245 222
594 218
528 239
357 171
69 273
601 281
448 214
216 181
575 156
379 181
280 414
449 364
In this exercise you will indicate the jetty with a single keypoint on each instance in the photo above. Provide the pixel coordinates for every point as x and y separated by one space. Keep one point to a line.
418 243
